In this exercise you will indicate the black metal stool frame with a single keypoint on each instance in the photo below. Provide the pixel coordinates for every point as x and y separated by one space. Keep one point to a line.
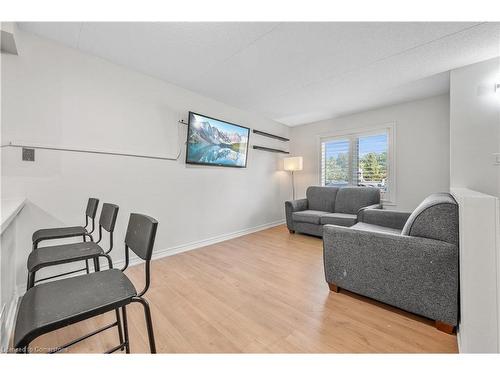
89 212
108 223
142 301
118 324
141 233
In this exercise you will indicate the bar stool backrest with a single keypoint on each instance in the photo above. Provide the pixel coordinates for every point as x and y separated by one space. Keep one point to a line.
140 237
91 210
141 233
107 220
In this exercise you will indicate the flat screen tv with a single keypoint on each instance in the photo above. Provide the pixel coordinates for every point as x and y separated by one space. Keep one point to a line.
216 142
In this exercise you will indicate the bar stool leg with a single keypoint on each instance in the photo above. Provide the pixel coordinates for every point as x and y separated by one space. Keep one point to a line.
125 330
119 326
149 323
86 260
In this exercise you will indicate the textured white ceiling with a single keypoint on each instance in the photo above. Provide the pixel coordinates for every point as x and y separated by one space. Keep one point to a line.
294 73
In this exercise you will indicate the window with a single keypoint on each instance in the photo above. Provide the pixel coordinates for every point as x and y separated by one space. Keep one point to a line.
359 159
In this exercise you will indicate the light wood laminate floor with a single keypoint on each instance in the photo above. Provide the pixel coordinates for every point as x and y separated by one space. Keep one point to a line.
260 293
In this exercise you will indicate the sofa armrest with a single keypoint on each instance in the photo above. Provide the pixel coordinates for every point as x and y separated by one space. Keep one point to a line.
413 273
294 206
385 218
363 209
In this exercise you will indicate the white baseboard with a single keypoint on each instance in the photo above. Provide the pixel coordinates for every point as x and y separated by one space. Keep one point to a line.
158 254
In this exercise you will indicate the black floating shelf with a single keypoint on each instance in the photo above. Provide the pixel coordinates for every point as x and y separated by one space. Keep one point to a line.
270 149
271 135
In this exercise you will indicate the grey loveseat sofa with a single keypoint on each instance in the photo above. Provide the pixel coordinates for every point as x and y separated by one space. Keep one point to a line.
329 205
406 260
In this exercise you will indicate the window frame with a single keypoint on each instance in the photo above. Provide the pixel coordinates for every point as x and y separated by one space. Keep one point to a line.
390 127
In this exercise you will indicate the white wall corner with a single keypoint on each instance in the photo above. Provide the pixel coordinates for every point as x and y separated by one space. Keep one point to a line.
8 38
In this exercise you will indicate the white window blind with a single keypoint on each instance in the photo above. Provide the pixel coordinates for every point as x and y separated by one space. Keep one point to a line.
360 159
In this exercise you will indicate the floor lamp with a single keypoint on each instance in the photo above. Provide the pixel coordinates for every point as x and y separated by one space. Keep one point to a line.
293 164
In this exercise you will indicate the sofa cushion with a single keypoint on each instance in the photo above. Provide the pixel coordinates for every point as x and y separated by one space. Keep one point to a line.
345 220
308 216
436 217
308 228
376 228
350 199
321 198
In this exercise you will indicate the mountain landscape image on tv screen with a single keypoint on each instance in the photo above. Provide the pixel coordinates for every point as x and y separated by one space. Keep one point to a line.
215 142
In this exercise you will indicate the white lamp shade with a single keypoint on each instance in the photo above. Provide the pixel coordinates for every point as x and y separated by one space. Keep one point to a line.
293 164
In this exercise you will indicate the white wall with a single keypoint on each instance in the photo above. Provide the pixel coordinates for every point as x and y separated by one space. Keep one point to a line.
474 138
475 127
422 146
58 96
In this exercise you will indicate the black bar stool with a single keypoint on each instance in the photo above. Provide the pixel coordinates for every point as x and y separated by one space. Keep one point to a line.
67 232
50 306
53 255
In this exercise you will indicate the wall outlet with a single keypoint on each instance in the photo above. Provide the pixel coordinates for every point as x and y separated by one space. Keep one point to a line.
28 154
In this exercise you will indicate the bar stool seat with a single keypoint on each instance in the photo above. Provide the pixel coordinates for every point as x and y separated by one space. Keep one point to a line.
66 232
57 233
50 306
74 252
60 254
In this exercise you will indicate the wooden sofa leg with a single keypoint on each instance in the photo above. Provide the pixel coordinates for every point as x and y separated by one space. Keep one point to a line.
333 287
291 231
445 327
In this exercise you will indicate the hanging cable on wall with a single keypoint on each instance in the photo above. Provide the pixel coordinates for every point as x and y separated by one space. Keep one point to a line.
20 144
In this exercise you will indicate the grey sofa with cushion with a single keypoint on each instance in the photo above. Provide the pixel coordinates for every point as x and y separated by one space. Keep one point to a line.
329 205
406 260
